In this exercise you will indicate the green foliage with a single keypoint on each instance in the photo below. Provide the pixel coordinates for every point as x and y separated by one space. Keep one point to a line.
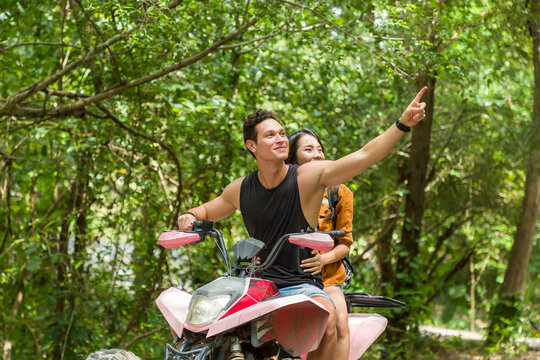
84 194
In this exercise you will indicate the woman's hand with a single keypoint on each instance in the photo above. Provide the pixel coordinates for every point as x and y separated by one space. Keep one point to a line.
314 264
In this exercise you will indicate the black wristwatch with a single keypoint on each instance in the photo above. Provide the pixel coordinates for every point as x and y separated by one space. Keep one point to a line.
402 126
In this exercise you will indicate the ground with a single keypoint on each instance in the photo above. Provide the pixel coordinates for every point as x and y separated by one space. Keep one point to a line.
447 344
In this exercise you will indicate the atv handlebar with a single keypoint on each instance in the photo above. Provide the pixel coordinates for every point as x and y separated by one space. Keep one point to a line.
310 238
334 233
201 229
279 244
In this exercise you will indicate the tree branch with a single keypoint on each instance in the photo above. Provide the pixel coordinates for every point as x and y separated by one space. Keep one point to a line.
456 35
39 44
53 207
450 230
116 67
77 107
34 88
356 38
457 267
272 34
139 337
67 333
69 95
9 230
6 155
166 147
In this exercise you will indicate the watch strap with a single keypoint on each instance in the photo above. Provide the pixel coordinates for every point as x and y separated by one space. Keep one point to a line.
402 126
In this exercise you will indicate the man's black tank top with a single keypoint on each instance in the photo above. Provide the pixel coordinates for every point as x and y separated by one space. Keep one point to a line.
271 213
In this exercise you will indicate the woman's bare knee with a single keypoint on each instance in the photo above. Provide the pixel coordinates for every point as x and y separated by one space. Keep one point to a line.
332 320
342 324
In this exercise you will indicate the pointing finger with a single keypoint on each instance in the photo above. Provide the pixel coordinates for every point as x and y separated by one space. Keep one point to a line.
420 94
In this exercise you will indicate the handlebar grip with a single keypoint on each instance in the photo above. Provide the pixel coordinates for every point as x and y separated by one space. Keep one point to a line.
203 226
335 233
197 224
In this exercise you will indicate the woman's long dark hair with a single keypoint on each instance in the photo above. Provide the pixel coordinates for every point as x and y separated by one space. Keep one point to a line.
294 142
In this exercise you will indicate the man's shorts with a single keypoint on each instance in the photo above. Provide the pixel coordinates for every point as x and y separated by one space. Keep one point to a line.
305 289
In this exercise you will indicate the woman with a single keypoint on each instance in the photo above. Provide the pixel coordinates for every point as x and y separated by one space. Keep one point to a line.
305 146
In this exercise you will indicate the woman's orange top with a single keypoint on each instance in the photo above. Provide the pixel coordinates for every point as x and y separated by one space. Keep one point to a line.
334 274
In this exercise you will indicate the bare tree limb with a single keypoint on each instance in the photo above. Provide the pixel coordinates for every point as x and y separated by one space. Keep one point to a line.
261 39
63 59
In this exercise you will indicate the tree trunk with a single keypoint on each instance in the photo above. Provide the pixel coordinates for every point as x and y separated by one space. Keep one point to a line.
507 309
384 240
61 270
416 180
514 278
67 276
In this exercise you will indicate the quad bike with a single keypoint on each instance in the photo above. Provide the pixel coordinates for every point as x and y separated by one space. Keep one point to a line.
241 317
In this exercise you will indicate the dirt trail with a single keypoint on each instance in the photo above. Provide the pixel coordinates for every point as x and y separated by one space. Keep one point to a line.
532 343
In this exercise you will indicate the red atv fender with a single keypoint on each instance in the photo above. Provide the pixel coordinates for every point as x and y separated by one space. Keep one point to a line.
296 322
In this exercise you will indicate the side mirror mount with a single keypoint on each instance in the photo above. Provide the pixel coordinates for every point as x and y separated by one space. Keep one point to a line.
315 240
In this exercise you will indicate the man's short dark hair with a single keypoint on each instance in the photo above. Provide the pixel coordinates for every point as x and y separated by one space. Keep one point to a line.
250 133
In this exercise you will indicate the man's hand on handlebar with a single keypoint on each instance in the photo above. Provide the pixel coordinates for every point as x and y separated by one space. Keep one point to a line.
312 265
185 221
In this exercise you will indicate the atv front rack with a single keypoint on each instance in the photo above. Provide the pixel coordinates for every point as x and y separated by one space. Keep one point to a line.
367 300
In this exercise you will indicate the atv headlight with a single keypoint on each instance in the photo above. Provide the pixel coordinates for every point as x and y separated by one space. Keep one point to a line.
203 310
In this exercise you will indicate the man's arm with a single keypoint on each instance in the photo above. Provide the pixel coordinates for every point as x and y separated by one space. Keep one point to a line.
314 176
214 210
345 168
342 170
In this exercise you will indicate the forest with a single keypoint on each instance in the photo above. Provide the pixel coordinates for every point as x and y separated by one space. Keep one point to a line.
115 116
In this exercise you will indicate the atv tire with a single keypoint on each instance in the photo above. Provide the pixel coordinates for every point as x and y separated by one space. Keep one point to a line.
112 354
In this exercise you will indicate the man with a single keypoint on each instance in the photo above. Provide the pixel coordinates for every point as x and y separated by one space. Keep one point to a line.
279 199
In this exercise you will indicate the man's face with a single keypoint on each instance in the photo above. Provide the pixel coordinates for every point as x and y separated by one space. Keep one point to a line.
272 142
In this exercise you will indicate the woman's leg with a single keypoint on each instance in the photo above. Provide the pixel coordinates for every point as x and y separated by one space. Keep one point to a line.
328 345
342 322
